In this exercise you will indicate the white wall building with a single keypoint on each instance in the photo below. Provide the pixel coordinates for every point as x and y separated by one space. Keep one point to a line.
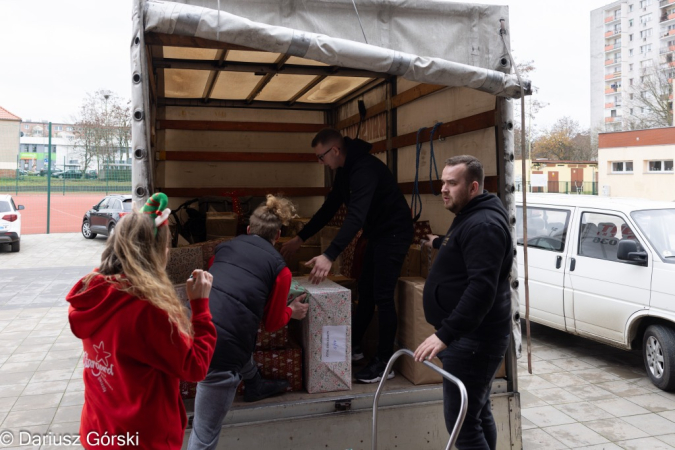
627 36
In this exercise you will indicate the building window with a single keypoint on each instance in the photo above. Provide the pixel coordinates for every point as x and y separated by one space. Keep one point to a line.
660 166
646 48
26 126
630 67
646 18
622 167
630 22
69 129
646 33
630 82
645 3
630 8
630 38
58 128
631 111
630 96
630 52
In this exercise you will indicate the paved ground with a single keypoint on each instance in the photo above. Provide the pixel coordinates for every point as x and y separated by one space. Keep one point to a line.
582 395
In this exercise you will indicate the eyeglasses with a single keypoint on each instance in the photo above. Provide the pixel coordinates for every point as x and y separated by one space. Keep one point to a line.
320 157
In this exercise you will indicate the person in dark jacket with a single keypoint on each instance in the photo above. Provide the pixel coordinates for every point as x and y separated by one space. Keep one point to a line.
467 299
250 284
376 205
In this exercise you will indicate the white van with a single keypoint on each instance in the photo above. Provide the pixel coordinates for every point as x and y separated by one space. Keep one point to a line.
604 268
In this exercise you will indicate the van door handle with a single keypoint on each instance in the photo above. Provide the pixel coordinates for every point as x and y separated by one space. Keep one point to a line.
558 262
573 264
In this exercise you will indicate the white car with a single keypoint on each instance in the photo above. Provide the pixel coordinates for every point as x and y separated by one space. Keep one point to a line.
10 222
602 268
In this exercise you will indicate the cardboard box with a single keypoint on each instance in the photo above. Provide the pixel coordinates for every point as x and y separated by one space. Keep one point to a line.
305 253
221 223
297 224
303 269
411 265
427 258
280 364
182 261
326 337
413 329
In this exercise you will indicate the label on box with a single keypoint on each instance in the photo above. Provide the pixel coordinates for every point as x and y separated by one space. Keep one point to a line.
334 344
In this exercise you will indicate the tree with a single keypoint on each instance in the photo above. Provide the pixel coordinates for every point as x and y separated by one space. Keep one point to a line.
650 97
532 108
565 141
101 126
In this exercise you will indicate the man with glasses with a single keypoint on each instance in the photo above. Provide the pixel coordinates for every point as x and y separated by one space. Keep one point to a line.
375 204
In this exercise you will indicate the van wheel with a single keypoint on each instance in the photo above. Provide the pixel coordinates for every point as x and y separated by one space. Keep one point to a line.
658 350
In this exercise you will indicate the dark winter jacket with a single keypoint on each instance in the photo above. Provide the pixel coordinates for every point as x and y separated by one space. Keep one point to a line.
244 271
373 199
467 291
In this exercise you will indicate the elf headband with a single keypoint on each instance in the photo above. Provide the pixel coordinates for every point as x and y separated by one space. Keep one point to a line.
156 208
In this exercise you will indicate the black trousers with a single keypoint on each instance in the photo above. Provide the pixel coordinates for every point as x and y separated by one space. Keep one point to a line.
475 363
382 263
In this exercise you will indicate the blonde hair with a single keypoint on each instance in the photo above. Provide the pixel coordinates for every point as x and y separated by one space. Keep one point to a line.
134 260
267 219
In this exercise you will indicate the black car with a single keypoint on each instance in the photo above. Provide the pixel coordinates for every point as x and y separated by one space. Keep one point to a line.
103 217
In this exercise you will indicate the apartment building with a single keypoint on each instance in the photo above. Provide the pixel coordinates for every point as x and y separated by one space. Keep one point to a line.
629 40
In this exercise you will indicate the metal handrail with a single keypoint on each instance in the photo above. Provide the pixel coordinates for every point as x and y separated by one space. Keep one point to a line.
462 392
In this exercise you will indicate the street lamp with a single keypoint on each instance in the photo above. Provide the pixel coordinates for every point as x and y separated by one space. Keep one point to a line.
106 95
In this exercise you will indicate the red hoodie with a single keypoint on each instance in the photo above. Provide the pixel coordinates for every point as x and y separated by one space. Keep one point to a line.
134 360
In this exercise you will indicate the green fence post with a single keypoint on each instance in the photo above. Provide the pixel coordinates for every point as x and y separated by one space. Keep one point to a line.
49 175
64 175
107 174
17 175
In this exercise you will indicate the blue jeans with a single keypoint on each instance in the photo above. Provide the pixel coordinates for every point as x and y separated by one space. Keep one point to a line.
213 400
475 363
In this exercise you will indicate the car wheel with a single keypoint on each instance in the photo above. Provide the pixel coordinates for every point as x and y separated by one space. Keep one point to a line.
111 229
658 350
86 230
16 246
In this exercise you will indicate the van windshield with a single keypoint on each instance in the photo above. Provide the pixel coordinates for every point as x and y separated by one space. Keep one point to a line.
659 227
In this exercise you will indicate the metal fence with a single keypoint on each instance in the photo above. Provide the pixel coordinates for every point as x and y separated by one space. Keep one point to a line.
562 187
56 201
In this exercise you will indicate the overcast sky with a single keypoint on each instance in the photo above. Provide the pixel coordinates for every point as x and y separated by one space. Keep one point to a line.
52 52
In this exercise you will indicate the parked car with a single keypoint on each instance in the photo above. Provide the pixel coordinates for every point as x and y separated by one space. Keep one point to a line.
56 173
103 217
10 222
601 268
91 174
71 173
43 172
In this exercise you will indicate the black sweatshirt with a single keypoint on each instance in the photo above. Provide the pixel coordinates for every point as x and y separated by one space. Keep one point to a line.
467 292
372 196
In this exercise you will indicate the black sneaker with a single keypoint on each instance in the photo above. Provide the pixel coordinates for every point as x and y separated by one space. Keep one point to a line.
373 372
357 353
259 388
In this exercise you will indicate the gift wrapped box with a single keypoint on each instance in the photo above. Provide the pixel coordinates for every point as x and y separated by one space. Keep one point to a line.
413 329
326 337
182 261
271 340
209 248
422 229
427 257
221 223
411 264
280 364
188 390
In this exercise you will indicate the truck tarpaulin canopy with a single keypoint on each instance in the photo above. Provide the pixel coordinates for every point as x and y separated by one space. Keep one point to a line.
397 31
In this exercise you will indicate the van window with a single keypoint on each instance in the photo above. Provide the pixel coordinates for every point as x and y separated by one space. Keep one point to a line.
600 235
659 227
546 228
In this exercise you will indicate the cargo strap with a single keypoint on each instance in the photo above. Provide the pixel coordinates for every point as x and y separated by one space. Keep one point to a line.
416 201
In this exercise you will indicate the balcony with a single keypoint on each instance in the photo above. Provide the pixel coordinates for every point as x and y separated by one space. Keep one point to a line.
612 119
667 17
612 18
609 62
667 33
610 33
664 3
668 49
610 91
612 47
611 76
609 105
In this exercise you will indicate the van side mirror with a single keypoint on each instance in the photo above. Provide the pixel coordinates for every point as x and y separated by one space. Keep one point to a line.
95 207
628 251
20 207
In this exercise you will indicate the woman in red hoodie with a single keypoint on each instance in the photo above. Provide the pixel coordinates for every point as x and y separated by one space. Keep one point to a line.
138 338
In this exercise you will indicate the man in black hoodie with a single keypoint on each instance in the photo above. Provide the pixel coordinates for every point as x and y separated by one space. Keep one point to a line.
467 299
376 205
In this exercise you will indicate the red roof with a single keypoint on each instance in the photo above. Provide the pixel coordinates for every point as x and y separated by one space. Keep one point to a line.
6 115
